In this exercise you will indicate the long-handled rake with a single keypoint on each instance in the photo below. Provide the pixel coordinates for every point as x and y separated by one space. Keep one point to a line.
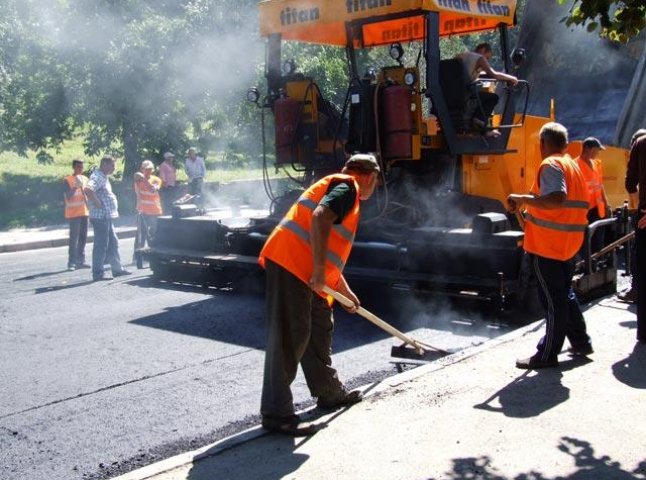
419 350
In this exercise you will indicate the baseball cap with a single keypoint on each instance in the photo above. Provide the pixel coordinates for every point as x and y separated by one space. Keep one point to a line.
363 162
593 142
168 155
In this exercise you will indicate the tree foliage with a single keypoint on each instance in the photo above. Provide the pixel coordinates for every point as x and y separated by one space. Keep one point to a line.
618 20
139 76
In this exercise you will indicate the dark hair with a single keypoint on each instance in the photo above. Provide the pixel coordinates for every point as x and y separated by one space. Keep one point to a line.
638 134
76 162
484 46
106 159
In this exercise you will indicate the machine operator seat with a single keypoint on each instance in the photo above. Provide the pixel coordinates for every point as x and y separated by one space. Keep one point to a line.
459 93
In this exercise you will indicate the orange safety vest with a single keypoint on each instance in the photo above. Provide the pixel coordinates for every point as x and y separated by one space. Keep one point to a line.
289 243
148 201
594 180
76 205
558 233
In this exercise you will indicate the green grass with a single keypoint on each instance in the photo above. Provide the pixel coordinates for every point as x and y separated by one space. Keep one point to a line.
31 193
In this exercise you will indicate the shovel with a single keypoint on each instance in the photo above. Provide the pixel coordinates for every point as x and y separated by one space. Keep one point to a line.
419 350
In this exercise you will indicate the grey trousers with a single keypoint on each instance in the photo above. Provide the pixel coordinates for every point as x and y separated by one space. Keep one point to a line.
78 239
300 328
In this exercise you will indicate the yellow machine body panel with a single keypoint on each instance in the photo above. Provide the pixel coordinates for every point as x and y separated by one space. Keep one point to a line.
304 92
496 176
324 21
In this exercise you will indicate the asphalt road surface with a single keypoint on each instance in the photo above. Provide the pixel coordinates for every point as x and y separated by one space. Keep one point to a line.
102 378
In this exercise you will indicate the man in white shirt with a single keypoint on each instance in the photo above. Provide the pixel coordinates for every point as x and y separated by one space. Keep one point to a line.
195 171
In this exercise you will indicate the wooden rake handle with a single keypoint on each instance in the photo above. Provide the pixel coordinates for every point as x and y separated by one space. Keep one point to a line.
375 319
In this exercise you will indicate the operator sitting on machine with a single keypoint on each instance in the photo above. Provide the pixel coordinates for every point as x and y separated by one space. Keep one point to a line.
475 63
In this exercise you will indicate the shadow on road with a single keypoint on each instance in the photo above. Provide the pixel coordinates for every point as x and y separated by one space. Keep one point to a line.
587 466
57 288
280 464
218 318
40 275
630 370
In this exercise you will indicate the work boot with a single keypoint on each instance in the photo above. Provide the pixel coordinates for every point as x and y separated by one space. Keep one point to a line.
628 296
581 350
341 399
534 363
291 425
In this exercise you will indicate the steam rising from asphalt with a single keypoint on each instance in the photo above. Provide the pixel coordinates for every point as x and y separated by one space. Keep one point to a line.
213 68
588 76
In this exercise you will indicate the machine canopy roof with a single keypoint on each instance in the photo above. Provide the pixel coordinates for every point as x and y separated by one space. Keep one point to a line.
383 21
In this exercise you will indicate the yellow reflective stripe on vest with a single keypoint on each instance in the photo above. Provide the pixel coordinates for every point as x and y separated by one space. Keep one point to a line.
304 235
562 227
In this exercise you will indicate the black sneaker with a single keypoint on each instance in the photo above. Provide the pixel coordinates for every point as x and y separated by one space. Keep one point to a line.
581 350
121 273
83 265
533 363
629 296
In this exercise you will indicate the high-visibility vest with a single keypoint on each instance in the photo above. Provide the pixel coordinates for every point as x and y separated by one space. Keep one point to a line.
558 233
289 243
148 201
76 205
594 180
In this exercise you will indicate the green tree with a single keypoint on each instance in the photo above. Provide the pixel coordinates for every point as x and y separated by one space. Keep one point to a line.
139 76
35 112
618 20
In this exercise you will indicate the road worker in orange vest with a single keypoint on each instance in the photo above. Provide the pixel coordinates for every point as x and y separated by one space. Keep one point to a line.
76 212
592 171
555 225
146 188
305 252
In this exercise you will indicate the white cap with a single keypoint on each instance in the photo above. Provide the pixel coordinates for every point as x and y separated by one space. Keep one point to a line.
168 155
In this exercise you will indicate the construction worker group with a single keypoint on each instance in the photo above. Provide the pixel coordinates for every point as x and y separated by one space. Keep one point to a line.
308 249
92 201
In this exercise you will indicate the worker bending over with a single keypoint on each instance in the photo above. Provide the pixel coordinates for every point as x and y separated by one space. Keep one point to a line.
305 252
555 225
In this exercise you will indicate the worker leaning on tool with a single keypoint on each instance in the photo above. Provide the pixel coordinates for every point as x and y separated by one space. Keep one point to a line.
555 224
307 251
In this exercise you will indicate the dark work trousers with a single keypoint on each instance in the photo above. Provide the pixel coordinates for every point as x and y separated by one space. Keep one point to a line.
563 314
78 239
300 328
489 101
639 274
168 194
598 238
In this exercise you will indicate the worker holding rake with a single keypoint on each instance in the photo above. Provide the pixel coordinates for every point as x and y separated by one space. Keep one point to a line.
305 253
